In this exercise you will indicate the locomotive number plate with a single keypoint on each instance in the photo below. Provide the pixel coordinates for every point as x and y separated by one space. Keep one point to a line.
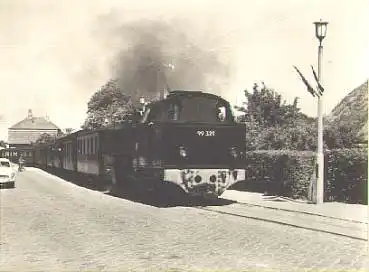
205 133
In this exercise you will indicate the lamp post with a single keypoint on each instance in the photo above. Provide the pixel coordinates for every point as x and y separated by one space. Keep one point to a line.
320 33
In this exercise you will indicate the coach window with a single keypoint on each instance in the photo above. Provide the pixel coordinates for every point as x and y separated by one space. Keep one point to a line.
85 140
93 144
89 145
86 146
97 144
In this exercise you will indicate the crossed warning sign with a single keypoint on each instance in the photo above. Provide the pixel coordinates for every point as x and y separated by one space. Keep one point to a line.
311 90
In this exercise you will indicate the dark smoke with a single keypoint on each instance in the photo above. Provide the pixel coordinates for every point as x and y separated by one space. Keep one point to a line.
146 47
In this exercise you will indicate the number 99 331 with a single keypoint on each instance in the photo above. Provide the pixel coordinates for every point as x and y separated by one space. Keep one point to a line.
206 133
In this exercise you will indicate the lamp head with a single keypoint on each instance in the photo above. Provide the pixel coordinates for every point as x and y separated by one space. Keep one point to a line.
320 30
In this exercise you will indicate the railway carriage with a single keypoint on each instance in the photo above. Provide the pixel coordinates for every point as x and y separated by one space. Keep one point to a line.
13 154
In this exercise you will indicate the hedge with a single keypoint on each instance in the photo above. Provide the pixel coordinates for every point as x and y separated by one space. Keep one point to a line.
347 175
289 173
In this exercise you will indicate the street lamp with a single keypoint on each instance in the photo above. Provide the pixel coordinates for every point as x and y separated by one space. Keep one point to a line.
320 33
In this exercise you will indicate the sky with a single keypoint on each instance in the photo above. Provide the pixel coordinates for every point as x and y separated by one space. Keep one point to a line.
55 54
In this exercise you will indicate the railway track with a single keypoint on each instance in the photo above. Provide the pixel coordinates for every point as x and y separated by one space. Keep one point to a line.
304 220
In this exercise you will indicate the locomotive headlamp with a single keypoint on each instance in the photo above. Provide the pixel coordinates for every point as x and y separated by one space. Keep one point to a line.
182 152
233 152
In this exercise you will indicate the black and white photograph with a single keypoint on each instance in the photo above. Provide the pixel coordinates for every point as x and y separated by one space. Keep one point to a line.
199 135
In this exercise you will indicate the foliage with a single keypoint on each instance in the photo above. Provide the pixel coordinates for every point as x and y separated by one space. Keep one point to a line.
108 106
342 135
68 130
279 172
352 112
60 133
347 174
265 107
273 124
290 173
45 138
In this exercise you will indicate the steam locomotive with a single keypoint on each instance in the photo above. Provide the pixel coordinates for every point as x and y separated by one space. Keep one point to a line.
188 139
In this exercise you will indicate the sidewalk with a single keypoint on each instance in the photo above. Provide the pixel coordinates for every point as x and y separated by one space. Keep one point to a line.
349 212
350 220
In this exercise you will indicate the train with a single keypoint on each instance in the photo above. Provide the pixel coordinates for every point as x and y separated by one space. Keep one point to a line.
188 139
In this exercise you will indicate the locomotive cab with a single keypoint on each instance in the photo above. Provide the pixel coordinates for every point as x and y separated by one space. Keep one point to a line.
192 140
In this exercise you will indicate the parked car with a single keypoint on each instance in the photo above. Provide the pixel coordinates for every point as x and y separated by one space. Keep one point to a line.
7 173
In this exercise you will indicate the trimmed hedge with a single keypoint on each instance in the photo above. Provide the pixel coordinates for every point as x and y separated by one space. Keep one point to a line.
289 173
347 175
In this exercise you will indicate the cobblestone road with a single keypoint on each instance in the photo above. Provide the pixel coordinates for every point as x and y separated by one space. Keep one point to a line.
51 225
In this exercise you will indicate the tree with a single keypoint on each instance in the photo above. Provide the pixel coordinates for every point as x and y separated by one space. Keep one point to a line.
68 130
45 138
273 124
2 143
108 106
265 107
341 135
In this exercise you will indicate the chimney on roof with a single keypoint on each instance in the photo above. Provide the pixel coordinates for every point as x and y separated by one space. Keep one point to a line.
30 115
47 117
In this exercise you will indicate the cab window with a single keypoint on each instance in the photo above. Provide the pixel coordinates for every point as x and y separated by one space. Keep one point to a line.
221 112
173 112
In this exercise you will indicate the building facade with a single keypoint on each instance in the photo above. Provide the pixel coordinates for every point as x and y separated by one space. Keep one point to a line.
27 131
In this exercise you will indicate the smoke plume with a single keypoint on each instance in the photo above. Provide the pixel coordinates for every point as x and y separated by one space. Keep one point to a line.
155 54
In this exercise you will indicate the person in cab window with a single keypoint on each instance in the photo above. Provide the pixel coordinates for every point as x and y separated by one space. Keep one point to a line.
220 113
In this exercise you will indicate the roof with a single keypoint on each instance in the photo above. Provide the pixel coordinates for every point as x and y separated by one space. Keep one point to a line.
35 123
190 93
